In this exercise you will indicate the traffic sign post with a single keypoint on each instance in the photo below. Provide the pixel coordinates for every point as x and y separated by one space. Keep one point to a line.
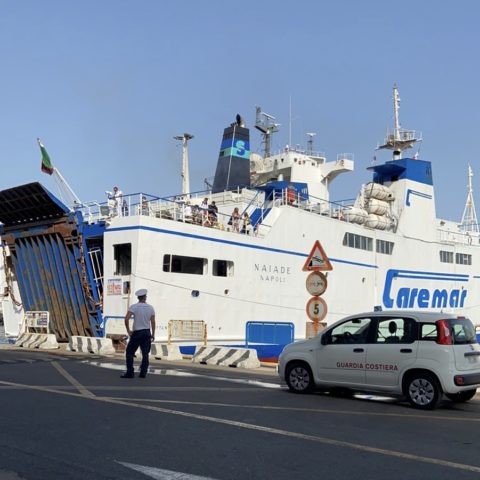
316 309
316 283
317 260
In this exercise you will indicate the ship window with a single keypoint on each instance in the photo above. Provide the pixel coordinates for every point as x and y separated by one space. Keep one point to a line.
463 259
181 264
385 247
122 254
222 268
446 257
358 241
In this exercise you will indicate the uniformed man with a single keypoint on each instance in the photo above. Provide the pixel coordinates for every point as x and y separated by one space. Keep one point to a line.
142 334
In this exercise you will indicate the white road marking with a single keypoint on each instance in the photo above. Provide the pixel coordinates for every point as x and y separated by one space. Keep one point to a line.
72 380
161 474
180 373
260 428
300 409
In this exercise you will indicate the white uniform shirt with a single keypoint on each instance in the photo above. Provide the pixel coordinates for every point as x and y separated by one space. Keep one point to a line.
142 313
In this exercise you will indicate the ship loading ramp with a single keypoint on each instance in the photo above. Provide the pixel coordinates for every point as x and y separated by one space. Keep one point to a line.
55 258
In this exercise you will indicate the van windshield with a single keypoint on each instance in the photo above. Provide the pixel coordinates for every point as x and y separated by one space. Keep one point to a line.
463 331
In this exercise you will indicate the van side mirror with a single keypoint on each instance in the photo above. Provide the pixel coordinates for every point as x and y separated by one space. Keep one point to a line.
325 340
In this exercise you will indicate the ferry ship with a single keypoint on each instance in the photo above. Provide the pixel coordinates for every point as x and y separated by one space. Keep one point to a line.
244 280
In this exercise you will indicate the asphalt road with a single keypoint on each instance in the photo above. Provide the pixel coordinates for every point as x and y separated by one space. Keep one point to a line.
72 417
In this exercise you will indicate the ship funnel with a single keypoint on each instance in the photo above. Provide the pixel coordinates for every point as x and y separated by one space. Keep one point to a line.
233 166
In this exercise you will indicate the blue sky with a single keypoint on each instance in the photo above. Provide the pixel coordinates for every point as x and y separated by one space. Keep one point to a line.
107 84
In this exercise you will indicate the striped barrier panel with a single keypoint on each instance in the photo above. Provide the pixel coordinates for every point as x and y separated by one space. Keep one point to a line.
100 346
164 351
43 341
227 357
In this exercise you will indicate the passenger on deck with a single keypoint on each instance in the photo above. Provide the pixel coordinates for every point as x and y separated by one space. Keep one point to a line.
212 214
204 212
125 208
247 226
236 220
187 212
196 214
115 201
145 208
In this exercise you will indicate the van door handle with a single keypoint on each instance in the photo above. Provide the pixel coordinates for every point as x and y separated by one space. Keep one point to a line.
358 350
405 350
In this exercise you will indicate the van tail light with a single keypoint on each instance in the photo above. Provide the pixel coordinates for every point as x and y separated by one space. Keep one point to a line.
444 334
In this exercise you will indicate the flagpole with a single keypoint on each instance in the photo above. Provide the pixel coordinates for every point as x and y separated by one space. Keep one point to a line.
49 169
63 183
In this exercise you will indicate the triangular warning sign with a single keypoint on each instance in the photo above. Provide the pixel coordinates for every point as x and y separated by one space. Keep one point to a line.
317 260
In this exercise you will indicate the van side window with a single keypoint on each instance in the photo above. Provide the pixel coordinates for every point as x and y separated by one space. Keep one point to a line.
353 331
428 331
396 330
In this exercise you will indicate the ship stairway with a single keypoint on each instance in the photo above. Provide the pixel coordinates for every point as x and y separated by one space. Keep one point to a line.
259 215
51 261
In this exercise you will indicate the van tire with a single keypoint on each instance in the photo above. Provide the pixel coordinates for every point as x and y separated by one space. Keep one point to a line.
423 390
299 378
461 397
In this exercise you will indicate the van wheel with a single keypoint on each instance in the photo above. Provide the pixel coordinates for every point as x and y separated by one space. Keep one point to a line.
464 396
423 391
299 378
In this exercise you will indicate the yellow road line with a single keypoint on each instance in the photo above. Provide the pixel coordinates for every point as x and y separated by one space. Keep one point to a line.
72 380
260 428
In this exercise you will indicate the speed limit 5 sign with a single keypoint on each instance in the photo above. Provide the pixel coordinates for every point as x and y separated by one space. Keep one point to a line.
316 309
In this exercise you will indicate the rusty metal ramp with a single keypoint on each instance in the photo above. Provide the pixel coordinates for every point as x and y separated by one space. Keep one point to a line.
48 247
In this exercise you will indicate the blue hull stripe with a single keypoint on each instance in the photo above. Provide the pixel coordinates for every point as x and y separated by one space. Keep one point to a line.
236 244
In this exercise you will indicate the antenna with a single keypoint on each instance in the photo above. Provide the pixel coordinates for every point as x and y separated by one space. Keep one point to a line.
310 143
185 170
469 219
399 140
267 126
290 123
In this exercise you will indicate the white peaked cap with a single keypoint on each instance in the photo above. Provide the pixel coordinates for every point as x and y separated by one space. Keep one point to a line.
141 292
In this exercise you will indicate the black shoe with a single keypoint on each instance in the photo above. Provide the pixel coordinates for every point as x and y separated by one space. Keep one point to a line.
142 375
127 375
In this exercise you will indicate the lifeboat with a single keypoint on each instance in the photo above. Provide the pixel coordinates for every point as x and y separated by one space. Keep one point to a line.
378 207
377 221
378 191
355 215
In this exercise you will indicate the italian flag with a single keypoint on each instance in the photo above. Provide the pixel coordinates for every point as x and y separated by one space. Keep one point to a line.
47 166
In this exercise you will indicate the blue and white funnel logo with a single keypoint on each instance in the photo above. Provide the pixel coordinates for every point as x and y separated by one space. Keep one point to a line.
407 289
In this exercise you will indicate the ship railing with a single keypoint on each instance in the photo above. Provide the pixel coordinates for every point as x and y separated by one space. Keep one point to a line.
403 136
458 237
319 206
185 209
300 150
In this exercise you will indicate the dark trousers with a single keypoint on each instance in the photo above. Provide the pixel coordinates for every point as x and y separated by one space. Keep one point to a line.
142 339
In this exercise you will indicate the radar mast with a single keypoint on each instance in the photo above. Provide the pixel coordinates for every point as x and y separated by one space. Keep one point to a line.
267 126
311 136
185 168
399 140
469 219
